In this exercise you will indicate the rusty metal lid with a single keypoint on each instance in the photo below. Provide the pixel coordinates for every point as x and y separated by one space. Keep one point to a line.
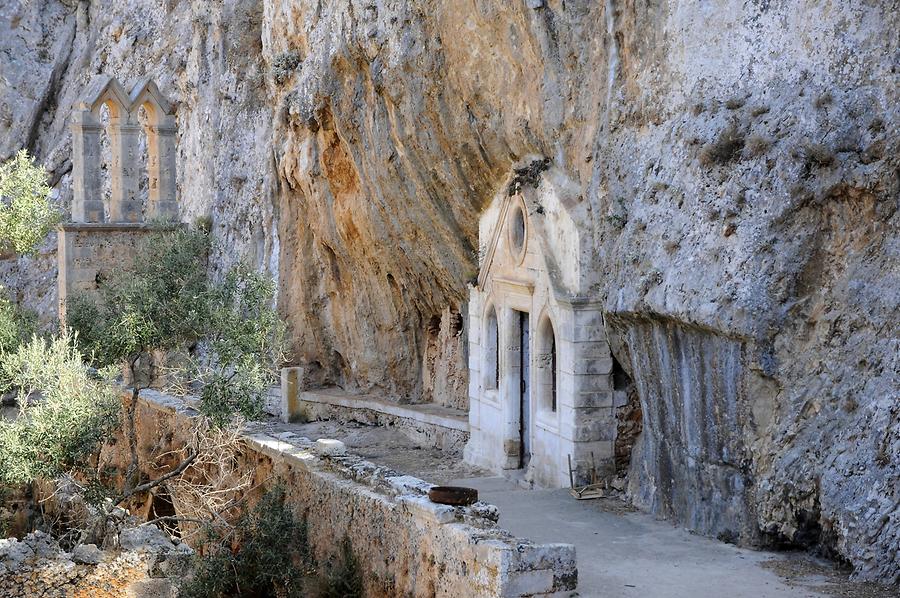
453 495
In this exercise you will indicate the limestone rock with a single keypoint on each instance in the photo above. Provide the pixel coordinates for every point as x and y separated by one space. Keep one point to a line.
87 554
145 538
739 162
13 553
330 447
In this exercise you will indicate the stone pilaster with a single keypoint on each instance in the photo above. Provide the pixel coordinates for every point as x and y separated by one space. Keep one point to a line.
124 138
161 169
87 201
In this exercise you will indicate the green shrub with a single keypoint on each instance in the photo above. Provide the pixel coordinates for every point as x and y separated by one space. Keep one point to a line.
64 413
17 325
166 301
158 303
246 339
26 214
342 579
284 65
271 559
267 554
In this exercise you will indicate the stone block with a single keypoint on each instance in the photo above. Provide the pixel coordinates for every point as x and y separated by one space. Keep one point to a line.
602 449
87 554
588 318
592 399
588 431
592 365
529 583
330 447
592 348
589 333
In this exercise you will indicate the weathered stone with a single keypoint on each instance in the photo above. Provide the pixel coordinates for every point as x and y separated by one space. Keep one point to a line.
327 446
87 554
145 538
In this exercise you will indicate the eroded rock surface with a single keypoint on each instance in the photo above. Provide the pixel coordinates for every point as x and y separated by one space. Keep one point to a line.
739 159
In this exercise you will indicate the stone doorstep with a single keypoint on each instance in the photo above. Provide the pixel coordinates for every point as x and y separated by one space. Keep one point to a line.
435 415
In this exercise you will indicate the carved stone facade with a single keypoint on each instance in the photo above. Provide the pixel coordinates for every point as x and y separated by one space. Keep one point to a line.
540 388
102 237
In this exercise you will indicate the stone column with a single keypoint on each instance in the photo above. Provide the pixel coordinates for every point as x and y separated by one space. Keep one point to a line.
125 203
87 203
161 169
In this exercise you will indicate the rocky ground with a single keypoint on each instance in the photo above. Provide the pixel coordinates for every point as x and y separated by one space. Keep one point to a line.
140 565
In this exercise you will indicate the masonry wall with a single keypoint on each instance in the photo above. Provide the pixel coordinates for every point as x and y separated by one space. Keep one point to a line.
89 252
406 545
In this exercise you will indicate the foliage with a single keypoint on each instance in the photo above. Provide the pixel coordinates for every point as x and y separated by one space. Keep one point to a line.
64 413
726 147
284 65
271 559
156 304
26 214
17 325
267 554
246 341
343 579
166 301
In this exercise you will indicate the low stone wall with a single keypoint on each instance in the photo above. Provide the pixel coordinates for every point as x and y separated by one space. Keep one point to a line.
405 544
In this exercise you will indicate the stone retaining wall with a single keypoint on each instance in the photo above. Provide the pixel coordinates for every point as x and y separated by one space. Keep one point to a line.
406 545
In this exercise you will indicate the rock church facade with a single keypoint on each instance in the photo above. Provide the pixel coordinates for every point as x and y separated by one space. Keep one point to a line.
540 367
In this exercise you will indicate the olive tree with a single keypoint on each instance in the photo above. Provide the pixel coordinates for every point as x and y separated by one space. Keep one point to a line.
26 216
26 213
224 340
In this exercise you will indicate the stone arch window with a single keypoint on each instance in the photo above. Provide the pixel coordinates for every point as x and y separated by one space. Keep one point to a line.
491 360
160 131
547 366
125 165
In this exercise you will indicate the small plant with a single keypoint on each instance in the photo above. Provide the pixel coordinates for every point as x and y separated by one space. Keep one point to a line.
341 579
26 214
757 145
726 147
284 64
618 216
735 103
528 175
823 100
617 221
818 154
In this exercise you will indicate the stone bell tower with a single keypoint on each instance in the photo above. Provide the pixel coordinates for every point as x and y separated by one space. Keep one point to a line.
104 237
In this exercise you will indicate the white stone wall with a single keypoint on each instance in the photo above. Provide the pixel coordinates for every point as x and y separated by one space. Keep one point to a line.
546 280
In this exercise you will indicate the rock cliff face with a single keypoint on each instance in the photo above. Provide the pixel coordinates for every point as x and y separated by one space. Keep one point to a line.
739 159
